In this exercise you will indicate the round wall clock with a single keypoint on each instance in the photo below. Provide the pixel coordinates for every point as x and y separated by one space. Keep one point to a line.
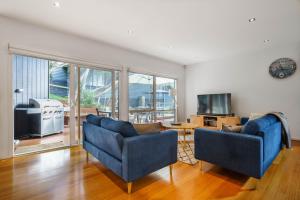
282 68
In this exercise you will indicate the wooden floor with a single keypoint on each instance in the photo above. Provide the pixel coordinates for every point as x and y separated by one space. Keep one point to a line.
64 174
44 140
63 136
33 144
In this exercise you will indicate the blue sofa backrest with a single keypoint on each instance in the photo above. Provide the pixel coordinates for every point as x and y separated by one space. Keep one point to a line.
254 127
126 129
109 141
93 119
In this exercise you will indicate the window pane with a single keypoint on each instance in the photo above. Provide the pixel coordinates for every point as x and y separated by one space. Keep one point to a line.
141 117
140 91
165 93
141 102
95 91
165 99
59 78
165 116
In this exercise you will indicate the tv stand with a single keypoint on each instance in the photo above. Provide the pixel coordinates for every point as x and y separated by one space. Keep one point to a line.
210 121
214 122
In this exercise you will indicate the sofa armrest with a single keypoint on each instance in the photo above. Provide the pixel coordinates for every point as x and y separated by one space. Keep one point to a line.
271 142
145 154
238 152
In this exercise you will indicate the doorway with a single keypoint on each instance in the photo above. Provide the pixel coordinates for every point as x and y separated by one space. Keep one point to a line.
43 96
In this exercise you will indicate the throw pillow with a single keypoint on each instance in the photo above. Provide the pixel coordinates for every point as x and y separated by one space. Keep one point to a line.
147 128
232 128
254 116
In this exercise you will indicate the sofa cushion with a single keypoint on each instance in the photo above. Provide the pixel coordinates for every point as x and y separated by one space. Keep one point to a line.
106 140
232 128
148 128
253 127
93 119
124 128
254 116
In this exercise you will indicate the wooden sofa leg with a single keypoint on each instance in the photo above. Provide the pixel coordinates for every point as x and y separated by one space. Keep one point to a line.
87 156
170 169
255 184
129 186
251 185
201 165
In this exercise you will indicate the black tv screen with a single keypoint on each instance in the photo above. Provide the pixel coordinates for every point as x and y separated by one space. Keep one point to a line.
214 104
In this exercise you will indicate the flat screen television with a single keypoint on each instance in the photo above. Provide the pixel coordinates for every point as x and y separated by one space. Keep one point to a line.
214 104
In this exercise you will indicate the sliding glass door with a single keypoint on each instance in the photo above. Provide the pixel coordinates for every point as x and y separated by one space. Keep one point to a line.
99 94
42 95
53 98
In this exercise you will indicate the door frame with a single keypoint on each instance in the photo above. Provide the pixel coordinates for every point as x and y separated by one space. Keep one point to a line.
71 140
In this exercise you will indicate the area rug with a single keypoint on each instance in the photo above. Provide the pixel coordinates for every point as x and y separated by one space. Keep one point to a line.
38 147
185 153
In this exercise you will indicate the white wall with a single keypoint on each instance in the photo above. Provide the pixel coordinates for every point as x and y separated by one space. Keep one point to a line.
42 39
248 79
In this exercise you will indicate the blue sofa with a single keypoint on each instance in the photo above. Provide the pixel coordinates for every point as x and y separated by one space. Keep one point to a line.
250 152
118 146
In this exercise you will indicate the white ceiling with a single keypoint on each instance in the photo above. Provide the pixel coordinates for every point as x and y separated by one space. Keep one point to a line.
183 31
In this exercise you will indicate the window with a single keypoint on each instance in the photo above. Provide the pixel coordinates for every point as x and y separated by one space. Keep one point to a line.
96 91
99 94
151 98
165 99
140 92
59 81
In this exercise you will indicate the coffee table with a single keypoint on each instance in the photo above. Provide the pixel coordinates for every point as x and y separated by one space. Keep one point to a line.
182 126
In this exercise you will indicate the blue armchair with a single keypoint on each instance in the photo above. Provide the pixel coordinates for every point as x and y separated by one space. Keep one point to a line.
118 146
250 152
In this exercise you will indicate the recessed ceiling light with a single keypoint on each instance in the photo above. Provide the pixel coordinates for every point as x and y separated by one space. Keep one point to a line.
252 19
266 41
56 4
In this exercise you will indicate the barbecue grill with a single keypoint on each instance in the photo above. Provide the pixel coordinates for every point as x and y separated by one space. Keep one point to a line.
49 117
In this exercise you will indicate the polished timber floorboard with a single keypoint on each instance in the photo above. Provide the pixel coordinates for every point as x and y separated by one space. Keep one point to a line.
64 174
